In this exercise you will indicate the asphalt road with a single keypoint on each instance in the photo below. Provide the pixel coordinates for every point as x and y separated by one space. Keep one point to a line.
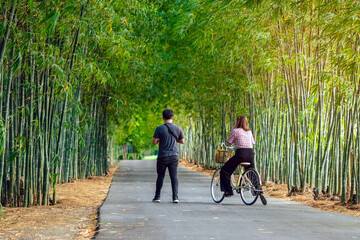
129 213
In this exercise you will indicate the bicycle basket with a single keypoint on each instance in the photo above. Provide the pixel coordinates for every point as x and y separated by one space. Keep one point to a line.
221 156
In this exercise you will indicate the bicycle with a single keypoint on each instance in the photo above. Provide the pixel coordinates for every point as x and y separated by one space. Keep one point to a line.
248 183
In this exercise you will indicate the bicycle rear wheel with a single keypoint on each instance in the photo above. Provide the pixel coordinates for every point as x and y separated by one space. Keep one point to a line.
249 183
215 189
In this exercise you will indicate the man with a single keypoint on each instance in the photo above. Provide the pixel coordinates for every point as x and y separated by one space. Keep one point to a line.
167 135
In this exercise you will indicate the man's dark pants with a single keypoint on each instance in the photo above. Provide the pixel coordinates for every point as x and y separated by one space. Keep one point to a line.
171 163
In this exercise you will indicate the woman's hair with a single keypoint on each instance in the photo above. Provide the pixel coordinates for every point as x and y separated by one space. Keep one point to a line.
242 122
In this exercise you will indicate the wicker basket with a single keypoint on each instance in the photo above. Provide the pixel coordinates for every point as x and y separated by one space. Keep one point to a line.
221 156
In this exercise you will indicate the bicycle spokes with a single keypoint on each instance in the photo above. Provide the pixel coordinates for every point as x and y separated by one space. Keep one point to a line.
249 185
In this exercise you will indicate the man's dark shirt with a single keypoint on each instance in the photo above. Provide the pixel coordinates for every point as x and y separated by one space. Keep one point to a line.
167 142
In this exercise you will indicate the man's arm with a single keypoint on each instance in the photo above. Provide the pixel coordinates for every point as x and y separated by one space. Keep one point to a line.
155 141
181 136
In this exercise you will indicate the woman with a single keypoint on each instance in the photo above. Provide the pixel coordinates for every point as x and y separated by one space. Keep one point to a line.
243 141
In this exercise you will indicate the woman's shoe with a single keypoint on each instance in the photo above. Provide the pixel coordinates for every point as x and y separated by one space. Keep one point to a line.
228 194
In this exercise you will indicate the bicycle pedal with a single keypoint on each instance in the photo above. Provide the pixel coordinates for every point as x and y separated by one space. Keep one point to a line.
253 192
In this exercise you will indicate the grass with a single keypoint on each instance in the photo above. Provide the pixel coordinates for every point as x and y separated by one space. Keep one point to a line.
153 157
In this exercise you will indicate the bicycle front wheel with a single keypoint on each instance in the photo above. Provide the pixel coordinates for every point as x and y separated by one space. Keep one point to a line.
249 183
215 189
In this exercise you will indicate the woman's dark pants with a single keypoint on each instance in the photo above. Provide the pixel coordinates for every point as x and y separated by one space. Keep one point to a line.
241 155
171 163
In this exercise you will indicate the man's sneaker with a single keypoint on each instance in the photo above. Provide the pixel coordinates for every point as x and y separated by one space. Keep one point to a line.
156 199
175 199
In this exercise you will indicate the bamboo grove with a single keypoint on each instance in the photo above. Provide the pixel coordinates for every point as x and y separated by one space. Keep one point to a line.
292 68
55 100
76 75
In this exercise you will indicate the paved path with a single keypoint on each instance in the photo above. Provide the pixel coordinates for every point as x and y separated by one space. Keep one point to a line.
128 212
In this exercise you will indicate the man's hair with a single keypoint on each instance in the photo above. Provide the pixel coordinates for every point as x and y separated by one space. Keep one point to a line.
168 114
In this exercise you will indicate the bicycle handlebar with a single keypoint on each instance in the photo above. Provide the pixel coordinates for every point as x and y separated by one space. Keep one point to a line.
226 147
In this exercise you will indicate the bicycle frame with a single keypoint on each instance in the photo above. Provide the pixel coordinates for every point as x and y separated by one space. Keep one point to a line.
241 170
237 186
248 183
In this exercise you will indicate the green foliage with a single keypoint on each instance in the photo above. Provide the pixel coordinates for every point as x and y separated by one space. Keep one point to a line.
86 73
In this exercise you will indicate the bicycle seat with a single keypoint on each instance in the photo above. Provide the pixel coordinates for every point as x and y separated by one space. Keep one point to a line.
245 164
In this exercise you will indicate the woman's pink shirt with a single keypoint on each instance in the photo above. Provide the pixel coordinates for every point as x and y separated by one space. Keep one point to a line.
241 138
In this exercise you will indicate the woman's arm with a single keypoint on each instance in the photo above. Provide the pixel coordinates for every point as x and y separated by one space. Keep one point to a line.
231 138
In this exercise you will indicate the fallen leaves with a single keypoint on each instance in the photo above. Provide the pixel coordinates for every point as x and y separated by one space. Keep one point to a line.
74 217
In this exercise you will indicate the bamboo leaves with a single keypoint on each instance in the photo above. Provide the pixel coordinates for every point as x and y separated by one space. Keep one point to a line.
50 19
16 63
